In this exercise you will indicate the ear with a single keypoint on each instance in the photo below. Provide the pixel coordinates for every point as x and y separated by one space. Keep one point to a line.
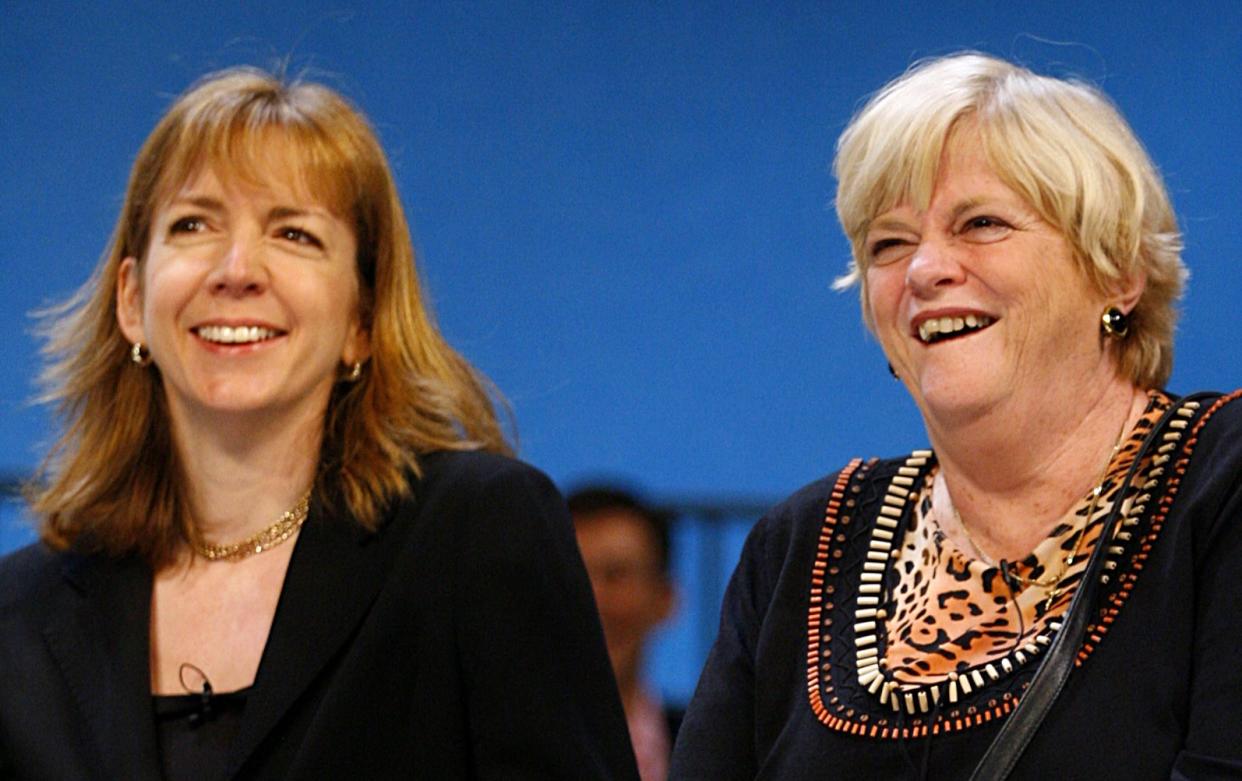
1128 291
129 301
357 346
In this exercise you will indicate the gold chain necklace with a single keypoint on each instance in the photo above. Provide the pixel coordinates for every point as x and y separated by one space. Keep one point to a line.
1052 584
265 539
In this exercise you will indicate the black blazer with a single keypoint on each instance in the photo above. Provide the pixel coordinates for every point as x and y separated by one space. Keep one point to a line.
458 641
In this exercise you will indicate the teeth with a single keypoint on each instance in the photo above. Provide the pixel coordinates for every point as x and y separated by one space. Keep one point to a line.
951 325
224 334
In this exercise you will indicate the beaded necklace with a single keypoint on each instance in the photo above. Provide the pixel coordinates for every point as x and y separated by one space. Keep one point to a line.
265 539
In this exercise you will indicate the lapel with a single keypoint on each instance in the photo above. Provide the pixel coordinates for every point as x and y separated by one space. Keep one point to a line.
97 631
335 574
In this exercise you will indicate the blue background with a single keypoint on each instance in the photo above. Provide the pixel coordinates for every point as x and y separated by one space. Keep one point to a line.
623 210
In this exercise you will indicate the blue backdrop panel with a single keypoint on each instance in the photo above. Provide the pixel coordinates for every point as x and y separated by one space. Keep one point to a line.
623 210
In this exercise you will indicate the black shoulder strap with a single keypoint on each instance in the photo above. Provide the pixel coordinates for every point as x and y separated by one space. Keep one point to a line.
1054 670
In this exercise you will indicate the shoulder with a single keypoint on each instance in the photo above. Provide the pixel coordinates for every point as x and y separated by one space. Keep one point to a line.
1221 430
475 469
804 511
1211 481
793 518
784 541
27 574
479 494
1215 440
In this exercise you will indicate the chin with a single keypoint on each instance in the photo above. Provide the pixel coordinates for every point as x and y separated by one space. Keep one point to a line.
235 398
958 396
253 392
232 400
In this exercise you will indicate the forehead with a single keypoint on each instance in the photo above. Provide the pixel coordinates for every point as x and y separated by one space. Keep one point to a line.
964 160
964 175
275 186
266 162
617 532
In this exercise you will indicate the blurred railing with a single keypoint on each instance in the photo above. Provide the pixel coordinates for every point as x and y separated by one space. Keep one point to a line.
707 535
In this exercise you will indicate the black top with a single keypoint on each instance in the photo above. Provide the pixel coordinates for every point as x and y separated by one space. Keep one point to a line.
460 640
1155 696
196 731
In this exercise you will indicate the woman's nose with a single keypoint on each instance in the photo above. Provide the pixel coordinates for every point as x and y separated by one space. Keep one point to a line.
933 267
240 269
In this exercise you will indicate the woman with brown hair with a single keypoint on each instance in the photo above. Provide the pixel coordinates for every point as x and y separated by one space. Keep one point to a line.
282 536
1051 589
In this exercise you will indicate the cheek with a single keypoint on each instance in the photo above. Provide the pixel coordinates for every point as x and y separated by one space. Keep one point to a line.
1060 300
339 294
326 300
347 316
621 602
164 289
882 299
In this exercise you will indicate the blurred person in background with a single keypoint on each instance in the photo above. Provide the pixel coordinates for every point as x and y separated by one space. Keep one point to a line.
1053 588
282 533
625 545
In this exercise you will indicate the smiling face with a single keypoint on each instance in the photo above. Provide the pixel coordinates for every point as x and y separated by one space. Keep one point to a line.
247 298
976 300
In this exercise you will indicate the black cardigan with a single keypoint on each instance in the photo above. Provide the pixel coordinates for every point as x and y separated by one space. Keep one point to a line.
1158 695
459 641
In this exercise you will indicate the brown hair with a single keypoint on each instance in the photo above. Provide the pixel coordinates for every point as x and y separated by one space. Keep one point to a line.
1061 145
112 480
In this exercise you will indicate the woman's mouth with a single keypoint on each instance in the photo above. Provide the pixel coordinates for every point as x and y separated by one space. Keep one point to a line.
235 334
938 329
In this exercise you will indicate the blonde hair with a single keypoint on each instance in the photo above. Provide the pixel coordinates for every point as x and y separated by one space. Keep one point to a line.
112 481
1061 145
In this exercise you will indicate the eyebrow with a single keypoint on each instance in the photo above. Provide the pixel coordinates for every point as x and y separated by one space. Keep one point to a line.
284 212
965 206
893 223
889 223
209 203
201 201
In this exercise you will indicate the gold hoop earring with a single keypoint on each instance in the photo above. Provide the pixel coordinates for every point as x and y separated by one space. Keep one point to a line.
1114 323
139 354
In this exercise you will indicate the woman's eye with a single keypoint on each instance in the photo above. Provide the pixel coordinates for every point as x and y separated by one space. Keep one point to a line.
187 225
299 236
885 249
985 223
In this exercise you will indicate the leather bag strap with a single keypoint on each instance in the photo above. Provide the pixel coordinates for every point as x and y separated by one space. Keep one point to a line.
1050 677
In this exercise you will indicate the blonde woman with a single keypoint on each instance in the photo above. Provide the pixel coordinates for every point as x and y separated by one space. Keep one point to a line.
282 536
1052 589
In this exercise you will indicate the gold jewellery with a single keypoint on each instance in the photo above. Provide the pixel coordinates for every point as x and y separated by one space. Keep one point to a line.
1052 583
285 527
1115 323
139 354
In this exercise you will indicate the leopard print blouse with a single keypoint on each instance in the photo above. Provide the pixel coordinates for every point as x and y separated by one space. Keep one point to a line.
908 635
952 612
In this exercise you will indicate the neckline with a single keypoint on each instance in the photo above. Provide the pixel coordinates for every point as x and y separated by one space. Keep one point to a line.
197 696
1122 455
900 515
869 503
